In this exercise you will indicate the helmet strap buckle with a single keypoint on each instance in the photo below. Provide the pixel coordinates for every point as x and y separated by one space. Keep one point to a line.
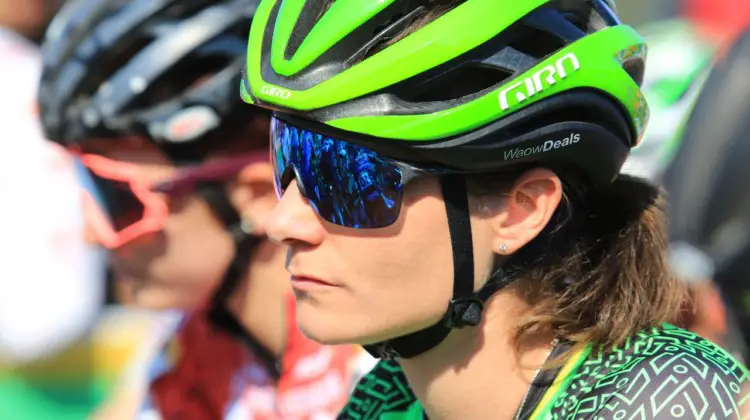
463 312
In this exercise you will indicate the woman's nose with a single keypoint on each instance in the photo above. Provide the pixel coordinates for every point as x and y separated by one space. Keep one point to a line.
294 220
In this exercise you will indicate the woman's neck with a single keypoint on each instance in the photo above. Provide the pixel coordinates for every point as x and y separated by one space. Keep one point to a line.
477 371
260 301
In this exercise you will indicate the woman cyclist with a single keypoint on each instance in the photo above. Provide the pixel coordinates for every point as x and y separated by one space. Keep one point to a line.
143 91
448 173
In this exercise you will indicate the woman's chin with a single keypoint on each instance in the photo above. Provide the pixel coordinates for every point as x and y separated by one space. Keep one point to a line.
335 328
324 326
159 298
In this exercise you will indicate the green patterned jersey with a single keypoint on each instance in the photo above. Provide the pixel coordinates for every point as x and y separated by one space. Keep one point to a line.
661 373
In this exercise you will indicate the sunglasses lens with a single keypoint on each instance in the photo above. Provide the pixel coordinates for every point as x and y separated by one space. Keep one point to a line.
349 185
122 206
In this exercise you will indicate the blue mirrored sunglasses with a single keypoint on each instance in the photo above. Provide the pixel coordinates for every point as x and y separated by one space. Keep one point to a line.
347 184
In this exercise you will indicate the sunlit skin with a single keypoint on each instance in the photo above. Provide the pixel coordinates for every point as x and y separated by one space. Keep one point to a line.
364 286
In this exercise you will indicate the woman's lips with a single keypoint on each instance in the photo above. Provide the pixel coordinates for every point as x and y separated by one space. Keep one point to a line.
309 282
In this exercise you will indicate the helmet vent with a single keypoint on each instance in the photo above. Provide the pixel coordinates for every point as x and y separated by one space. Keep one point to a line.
311 13
185 9
201 68
536 43
594 23
468 80
580 21
115 58
402 24
605 9
384 35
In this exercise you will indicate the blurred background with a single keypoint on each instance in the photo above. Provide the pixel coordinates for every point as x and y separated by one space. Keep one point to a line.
68 341
638 12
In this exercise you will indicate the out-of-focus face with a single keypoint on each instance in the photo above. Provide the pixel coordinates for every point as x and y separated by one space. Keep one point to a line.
183 263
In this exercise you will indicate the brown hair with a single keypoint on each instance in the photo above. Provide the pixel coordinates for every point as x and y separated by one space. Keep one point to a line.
598 272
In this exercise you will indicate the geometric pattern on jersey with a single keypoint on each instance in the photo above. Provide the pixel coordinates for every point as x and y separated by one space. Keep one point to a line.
663 373
381 394
660 373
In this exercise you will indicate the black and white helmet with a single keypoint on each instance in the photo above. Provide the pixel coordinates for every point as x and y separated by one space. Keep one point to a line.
167 70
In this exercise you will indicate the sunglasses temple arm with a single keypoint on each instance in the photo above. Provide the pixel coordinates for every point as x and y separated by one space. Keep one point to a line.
410 172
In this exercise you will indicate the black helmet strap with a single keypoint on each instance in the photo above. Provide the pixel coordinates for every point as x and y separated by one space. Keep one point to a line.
465 307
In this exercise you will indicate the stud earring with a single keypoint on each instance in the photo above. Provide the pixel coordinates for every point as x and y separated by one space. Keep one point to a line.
248 226
503 248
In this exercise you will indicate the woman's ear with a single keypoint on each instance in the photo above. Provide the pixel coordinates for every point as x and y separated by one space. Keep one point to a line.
253 193
529 206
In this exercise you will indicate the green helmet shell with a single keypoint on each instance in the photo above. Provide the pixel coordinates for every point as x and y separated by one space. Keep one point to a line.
559 70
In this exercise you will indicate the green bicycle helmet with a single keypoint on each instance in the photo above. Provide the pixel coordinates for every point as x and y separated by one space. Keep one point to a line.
484 85
488 83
